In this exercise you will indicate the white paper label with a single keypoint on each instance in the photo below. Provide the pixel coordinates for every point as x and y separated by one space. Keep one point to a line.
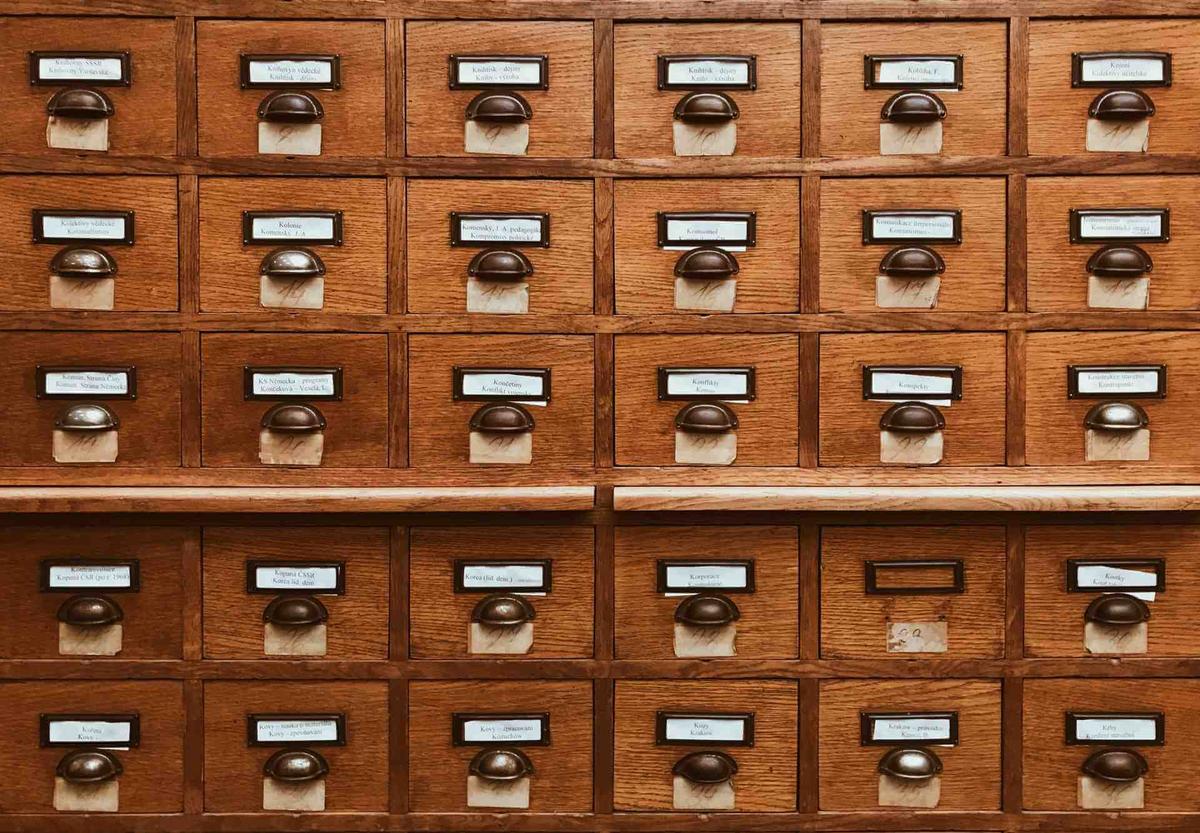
700 231
514 386
915 72
288 383
502 730
1117 381
912 226
1120 225
1117 70
705 383
284 730
500 230
292 228
70 576
710 729
707 576
502 576
296 578
1106 577
312 72
82 68
82 227
87 382
500 73
911 729
910 384
709 73
90 731
1116 729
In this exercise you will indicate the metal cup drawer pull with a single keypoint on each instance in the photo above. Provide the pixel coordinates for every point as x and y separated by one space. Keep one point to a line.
289 116
501 430
706 425
704 779
85 432
500 765
706 768
502 621
706 271
503 610
497 276
90 621
1119 115
78 113
913 765
1115 429
500 774
87 777
909 275
1117 620
292 278
294 774
705 118
1119 271
296 766
295 620
909 771
89 766
82 274
1113 777
705 620
1116 766
497 118
292 432
911 119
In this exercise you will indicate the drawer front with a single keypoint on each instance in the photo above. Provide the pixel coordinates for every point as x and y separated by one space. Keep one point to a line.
462 580
768 120
440 426
765 780
851 433
151 780
442 274
136 572
140 274
561 114
352 123
355 432
666 574
850 769
247 275
1058 108
1053 768
877 260
939 596
438 769
357 778
851 114
143 112
147 427
1056 433
296 593
766 426
1065 275
1071 570
649 265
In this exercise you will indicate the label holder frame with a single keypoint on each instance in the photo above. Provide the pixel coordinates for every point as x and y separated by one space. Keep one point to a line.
134 719
123 55
1077 215
663 67
542 61
457 217
461 564
336 239
252 587
1079 58
870 62
38 218
41 371
867 720
458 721
871 568
1071 728
253 719
868 226
663 586
661 717
663 381
249 372
1073 371
750 218
460 372
46 564
1159 565
954 371
245 59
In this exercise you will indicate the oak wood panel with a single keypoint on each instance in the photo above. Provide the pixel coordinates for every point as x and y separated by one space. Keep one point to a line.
768 123
355 272
645 617
354 115
562 114
440 618
562 272
970 779
975 120
854 623
769 272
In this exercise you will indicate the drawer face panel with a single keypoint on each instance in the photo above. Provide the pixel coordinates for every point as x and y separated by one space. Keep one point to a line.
438 270
1058 110
881 599
1055 431
704 561
1052 768
1060 277
869 276
232 268
438 771
766 770
357 780
1070 569
767 272
768 121
850 777
340 571
975 118
143 113
353 114
561 120
355 431
137 570
152 776
850 423
454 572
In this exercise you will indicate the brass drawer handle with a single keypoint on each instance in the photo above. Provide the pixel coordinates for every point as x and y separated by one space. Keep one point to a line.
1119 262
502 418
1121 105
1118 766
910 764
83 262
1116 416
1117 609
499 107
294 418
706 418
293 264
86 416
503 610
295 765
295 611
707 610
88 766
913 107
500 265
706 108
912 418
80 103
706 767
706 263
291 107
90 611
912 262
501 764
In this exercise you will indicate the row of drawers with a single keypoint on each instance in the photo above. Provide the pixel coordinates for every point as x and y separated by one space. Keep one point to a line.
669 737
539 77
886 592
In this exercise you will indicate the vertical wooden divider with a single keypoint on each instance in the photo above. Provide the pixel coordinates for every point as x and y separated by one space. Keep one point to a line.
398 745
1014 418
398 408
1014 591
1018 86
193 748
810 88
186 132
603 125
1012 747
393 33
189 306
1017 282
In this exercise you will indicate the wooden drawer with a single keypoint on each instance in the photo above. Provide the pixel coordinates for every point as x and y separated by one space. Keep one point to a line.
559 95
234 264
1059 255
913 244
851 110
767 95
440 429
650 250
441 747
668 572
1059 105
463 578
140 245
766 426
143 111
1069 569
850 421
145 364
356 419
1053 767
344 59
1055 433
860 718
357 780
333 581
441 271
761 713
149 710
940 594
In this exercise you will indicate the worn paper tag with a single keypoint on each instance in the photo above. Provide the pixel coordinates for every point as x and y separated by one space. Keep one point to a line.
497 297
84 446
488 447
906 293
705 140
77 134
1099 638
921 449
303 293
689 796
281 448
897 139
1118 136
917 637
300 797
87 798
82 293
710 296
89 641
1098 794
510 795
298 641
896 792
1117 445
498 139
693 449
701 641
484 639
289 139
1118 293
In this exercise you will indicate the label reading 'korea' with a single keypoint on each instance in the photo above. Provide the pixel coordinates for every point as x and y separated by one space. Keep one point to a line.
503 576
90 732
